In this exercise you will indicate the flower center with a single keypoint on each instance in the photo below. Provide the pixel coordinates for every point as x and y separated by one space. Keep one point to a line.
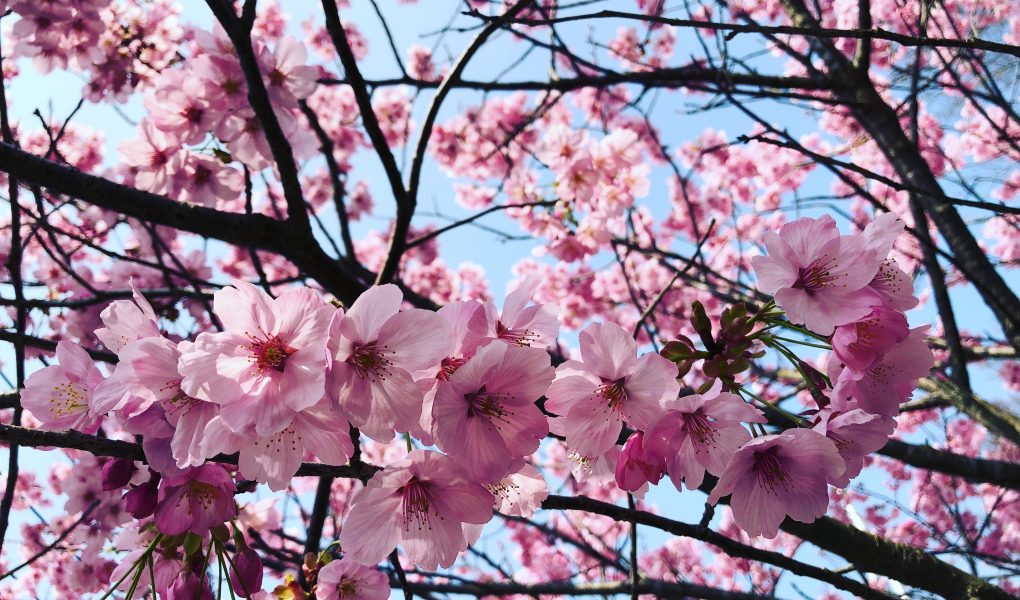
448 367
700 428
485 404
370 361
270 353
416 503
770 470
519 337
200 492
347 588
816 276
612 392
67 399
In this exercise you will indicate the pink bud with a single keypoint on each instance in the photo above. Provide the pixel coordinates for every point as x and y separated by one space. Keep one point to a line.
637 466
140 502
117 473
187 586
246 573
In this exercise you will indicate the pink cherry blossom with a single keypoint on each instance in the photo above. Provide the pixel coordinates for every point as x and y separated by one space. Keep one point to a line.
861 343
486 418
818 277
700 433
775 476
609 386
195 500
155 156
882 386
856 434
60 396
275 458
346 580
268 364
422 502
637 467
126 321
519 322
375 348
520 494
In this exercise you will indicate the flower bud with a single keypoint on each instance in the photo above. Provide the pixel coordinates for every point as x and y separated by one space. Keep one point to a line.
117 473
187 586
246 573
140 502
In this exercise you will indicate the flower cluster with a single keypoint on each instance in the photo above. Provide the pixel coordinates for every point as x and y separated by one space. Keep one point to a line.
293 378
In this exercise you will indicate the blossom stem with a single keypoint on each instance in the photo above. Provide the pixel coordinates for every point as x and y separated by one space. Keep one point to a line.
146 554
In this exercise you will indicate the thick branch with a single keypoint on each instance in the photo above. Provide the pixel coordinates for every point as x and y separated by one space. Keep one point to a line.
660 589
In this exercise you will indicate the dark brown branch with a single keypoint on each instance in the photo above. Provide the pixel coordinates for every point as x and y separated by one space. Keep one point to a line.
116 448
727 545
405 204
979 470
806 30
283 155
659 589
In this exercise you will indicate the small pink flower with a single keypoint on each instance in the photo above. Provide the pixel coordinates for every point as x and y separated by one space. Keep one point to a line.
856 434
288 78
59 396
882 386
519 323
700 433
611 385
268 364
196 500
346 580
275 458
147 376
155 156
861 343
126 321
423 502
638 467
375 348
520 494
819 277
486 418
775 476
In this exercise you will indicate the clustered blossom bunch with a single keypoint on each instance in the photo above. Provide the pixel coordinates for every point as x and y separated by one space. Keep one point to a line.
296 378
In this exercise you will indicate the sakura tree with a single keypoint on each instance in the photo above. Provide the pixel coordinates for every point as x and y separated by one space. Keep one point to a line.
536 298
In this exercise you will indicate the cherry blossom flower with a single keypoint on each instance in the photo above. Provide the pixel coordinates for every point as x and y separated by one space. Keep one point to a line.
289 79
275 458
519 323
520 494
374 350
775 476
861 343
195 500
856 434
609 386
60 395
486 418
637 466
155 156
700 433
126 321
422 502
882 386
268 364
346 580
818 277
